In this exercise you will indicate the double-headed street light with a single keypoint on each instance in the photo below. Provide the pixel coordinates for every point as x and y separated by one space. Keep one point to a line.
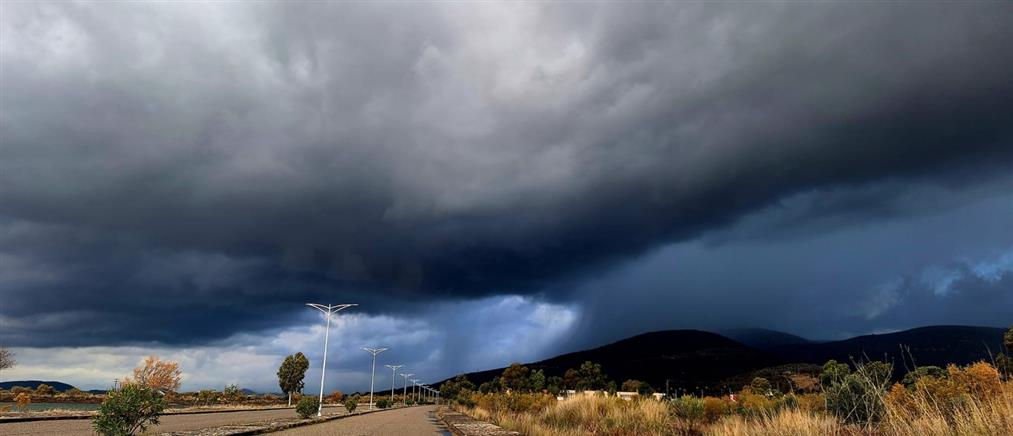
415 384
405 393
372 374
393 375
328 310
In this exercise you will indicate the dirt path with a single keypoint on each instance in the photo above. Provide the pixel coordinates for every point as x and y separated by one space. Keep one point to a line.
82 427
413 421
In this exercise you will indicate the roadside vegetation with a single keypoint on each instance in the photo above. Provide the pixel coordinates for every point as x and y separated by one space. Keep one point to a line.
858 398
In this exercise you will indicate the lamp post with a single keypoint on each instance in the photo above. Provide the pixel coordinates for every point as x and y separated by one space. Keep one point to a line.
405 393
372 374
328 310
415 384
393 375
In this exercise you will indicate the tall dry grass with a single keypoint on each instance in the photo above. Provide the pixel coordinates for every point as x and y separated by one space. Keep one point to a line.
924 414
788 422
934 408
588 415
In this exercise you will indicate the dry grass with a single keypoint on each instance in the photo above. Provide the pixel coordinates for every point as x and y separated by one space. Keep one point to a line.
588 415
790 422
921 413
926 415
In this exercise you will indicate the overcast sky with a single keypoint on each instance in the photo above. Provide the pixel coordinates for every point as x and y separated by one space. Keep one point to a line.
491 182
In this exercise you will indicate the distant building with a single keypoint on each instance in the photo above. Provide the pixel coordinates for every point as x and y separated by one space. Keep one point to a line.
628 396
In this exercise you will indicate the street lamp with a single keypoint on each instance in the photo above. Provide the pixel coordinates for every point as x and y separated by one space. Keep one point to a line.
415 384
405 393
393 375
328 310
372 374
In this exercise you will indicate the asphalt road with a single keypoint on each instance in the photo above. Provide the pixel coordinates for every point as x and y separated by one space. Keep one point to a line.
413 421
82 427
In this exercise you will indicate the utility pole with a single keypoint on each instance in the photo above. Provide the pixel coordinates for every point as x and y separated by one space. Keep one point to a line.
328 310
393 375
372 374
405 393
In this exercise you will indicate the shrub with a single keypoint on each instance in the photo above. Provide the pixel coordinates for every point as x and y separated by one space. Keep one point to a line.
833 372
383 403
980 380
128 411
74 393
754 405
233 394
858 397
761 386
351 403
17 390
714 408
689 408
307 406
44 389
922 371
22 401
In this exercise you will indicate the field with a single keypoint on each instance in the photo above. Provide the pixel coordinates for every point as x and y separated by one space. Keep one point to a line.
971 400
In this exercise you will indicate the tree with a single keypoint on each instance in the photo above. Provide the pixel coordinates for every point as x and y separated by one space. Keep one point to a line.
515 377
537 381
6 359
457 388
129 410
157 374
637 386
590 377
571 378
291 374
489 387
554 384
1007 340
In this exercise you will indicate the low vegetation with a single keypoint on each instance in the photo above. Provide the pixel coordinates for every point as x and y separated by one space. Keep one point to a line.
129 410
845 399
307 406
351 403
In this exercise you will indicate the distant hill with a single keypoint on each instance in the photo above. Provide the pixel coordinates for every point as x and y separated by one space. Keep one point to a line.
764 339
935 345
696 360
58 386
685 359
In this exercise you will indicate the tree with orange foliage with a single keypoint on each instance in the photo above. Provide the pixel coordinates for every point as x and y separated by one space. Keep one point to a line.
157 374
335 397
22 401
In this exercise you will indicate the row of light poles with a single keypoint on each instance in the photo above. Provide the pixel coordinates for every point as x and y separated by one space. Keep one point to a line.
329 310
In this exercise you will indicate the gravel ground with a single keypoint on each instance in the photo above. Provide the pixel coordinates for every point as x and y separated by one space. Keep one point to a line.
82 427
413 421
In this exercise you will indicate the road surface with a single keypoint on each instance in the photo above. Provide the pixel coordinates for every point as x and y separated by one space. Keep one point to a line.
82 427
413 421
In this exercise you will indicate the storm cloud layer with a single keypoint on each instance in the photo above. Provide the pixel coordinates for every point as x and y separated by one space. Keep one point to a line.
220 164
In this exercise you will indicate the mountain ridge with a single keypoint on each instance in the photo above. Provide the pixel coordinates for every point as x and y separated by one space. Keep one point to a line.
694 360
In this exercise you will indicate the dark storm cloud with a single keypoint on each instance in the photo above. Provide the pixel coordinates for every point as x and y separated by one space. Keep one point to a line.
221 159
